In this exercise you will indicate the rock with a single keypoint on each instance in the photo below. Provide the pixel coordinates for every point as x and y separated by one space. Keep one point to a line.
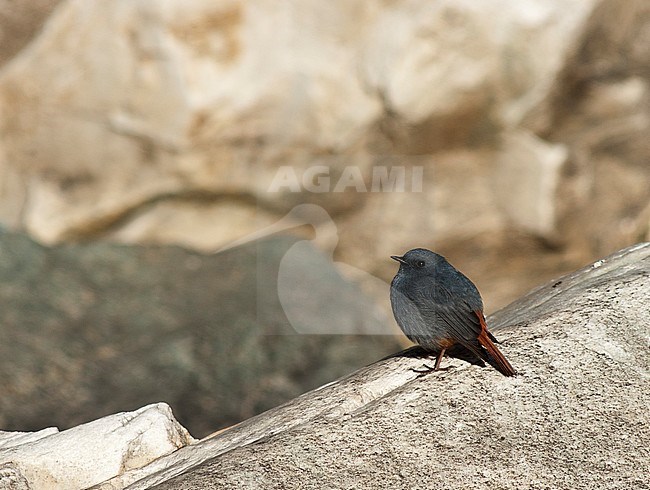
91 453
93 329
600 112
574 418
11 439
198 105
21 21
185 126
165 110
527 179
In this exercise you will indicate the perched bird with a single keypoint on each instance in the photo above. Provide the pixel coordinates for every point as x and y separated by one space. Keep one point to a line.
437 307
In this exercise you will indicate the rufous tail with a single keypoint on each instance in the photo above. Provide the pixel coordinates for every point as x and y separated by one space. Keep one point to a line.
500 362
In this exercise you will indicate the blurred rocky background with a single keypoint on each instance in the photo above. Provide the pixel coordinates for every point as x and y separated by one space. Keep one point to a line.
90 330
167 122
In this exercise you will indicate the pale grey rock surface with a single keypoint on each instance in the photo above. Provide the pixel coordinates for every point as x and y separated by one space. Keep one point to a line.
14 438
91 453
575 417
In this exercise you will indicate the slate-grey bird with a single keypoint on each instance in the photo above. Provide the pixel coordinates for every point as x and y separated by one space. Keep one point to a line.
437 307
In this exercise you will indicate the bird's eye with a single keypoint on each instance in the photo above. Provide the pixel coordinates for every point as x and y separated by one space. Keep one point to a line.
420 263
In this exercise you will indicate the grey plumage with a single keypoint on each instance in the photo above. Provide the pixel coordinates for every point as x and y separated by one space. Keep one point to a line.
437 306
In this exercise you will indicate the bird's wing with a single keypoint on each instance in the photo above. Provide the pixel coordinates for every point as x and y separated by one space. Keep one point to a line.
453 317
449 314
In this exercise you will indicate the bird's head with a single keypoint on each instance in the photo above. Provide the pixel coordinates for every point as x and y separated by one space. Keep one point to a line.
419 262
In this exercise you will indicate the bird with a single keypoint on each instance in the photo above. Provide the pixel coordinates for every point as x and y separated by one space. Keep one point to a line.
438 307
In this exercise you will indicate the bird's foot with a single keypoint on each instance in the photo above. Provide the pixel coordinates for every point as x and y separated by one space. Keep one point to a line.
426 369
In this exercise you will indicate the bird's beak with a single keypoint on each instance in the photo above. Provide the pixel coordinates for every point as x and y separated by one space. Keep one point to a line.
399 259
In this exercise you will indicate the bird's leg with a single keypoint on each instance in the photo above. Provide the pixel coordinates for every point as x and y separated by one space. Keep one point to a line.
428 369
439 359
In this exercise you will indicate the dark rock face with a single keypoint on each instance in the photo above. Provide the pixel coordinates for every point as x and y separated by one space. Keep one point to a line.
88 330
